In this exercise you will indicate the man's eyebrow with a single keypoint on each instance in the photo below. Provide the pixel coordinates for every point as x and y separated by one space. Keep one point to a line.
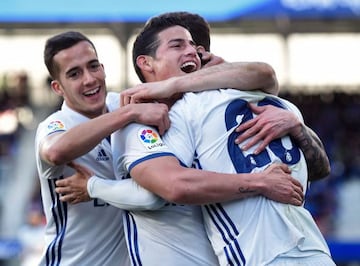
181 40
71 69
176 40
77 67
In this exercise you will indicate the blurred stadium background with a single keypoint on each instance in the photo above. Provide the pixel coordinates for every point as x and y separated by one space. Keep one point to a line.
312 44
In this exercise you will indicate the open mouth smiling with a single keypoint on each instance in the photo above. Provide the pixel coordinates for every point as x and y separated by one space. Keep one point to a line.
188 67
92 92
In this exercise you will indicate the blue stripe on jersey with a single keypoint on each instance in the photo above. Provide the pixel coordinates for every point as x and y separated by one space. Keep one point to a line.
59 211
148 157
229 233
132 239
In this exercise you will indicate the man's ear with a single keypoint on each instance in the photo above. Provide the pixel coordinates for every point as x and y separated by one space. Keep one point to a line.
56 87
200 49
102 65
144 62
205 56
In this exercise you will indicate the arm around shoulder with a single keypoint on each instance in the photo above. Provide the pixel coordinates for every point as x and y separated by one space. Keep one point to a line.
237 75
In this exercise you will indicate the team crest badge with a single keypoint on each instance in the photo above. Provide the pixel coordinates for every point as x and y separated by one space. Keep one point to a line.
150 139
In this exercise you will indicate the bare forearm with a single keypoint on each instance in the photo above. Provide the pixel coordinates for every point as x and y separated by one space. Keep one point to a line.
275 183
314 152
239 75
165 177
203 187
75 142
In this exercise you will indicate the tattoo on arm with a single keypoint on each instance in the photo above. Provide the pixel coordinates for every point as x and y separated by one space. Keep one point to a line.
247 191
314 152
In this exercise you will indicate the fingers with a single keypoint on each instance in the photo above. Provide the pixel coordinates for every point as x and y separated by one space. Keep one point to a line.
296 202
164 125
66 197
138 94
256 138
80 169
257 109
65 194
62 190
261 147
245 126
287 170
287 189
246 130
258 130
161 129
123 99
249 124
127 97
70 198
298 197
254 134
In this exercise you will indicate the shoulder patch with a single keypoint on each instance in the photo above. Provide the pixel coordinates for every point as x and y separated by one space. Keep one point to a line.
150 139
55 126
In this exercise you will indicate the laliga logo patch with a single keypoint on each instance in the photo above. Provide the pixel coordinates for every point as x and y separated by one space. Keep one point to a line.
150 139
56 126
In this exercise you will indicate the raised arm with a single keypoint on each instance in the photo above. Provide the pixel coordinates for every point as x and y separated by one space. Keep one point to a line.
239 75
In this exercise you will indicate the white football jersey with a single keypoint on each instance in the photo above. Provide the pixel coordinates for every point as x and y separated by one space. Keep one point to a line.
88 233
252 231
173 235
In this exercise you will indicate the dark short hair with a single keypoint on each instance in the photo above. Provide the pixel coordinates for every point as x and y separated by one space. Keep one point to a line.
147 41
58 43
199 28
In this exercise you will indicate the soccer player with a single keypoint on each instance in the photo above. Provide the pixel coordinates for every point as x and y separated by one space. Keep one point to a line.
89 233
145 229
253 231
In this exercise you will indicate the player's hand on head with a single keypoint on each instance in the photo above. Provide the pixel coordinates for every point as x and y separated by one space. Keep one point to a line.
280 186
270 123
135 94
73 189
148 92
208 59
